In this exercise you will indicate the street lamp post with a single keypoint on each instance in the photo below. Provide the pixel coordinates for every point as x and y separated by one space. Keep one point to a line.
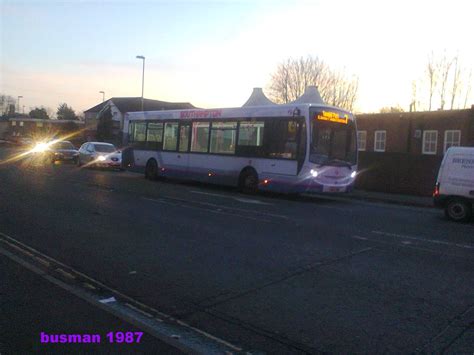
103 95
143 75
19 97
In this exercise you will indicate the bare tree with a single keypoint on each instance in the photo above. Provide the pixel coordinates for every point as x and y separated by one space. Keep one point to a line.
456 81
291 78
444 67
468 89
432 71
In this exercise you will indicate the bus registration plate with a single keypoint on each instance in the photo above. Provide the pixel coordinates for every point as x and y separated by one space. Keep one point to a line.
333 189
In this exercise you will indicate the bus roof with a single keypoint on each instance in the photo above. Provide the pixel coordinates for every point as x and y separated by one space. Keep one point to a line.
284 110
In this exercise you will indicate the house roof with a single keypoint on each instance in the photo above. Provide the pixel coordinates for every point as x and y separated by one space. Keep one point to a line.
134 104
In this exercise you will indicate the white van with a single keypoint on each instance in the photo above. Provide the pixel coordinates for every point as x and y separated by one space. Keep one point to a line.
454 189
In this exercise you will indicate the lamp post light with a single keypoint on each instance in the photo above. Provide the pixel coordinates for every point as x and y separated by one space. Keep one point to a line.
103 95
143 75
19 97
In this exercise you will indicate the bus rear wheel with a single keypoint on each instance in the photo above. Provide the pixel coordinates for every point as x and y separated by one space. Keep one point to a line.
151 170
248 182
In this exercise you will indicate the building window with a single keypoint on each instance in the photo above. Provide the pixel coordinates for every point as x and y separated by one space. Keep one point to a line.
430 142
21 123
452 139
379 141
13 123
39 124
361 139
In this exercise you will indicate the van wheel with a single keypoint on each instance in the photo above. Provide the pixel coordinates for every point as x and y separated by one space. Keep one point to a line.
151 170
458 210
248 181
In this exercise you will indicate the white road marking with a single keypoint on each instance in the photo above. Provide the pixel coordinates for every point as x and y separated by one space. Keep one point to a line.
464 246
108 300
247 200
177 202
360 238
240 199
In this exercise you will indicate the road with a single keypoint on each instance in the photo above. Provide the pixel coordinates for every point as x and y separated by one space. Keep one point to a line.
263 273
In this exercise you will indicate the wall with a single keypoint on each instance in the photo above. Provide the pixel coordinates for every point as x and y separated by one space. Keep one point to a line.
400 173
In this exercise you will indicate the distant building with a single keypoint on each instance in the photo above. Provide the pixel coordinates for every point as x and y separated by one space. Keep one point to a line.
427 133
402 152
21 128
118 106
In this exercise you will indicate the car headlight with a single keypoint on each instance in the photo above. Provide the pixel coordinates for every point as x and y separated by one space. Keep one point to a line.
40 147
101 158
353 174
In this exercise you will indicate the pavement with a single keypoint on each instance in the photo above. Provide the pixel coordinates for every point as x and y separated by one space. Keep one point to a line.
407 200
266 273
30 306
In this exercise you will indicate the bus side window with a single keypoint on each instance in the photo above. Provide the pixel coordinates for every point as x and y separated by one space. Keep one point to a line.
154 135
200 137
223 136
170 140
281 138
139 134
250 142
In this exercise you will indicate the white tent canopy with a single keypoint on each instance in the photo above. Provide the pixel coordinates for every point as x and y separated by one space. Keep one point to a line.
310 96
258 98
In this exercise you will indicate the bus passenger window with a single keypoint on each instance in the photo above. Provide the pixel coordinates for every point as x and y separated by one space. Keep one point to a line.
184 137
170 140
251 134
223 136
139 134
200 137
154 132
281 139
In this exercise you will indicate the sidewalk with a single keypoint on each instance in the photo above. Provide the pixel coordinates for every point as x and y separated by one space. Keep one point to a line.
409 200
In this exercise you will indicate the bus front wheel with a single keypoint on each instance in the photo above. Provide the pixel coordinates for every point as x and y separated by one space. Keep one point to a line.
248 181
151 170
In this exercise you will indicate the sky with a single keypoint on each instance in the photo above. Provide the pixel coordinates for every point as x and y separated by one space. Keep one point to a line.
212 53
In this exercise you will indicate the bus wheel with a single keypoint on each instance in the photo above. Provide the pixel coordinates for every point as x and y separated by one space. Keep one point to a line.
151 170
248 181
458 210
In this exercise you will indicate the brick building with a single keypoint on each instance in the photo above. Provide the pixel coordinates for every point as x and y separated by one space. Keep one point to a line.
401 152
23 129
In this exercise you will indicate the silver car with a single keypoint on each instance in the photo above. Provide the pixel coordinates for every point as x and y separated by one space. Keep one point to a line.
99 154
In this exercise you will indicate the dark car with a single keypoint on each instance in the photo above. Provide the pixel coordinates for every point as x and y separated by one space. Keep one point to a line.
64 151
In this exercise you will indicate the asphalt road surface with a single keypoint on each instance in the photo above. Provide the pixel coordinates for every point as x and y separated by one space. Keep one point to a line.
264 273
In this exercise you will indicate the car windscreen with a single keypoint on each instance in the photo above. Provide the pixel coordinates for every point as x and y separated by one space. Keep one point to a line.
333 138
104 148
63 145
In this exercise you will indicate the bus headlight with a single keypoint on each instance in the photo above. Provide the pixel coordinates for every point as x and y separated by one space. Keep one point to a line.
353 174
314 173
